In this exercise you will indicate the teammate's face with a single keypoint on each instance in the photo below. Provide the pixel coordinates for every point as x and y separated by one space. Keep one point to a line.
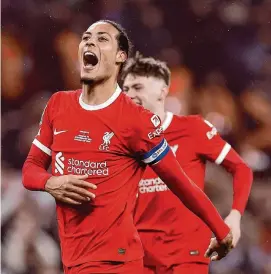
145 91
98 53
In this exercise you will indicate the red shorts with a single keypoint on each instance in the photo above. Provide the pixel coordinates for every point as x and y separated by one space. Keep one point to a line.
185 268
133 267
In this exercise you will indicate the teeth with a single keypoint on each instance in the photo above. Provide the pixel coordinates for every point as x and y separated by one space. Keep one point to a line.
89 53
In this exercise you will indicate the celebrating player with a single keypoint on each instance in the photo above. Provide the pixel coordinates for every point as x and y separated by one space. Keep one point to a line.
99 141
174 239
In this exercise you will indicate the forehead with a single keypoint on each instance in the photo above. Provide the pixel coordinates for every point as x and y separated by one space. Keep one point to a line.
103 27
132 79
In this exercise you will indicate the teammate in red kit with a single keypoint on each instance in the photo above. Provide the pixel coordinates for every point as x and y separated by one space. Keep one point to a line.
174 239
99 141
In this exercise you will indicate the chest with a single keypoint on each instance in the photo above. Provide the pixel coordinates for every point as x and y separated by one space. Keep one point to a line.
183 148
84 132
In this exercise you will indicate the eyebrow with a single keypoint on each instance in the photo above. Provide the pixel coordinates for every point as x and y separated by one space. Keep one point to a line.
100 33
134 85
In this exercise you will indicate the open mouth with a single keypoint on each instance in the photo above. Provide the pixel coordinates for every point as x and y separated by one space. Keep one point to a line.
90 59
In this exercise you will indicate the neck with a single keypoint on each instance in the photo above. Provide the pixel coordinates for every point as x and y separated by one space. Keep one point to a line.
160 111
99 92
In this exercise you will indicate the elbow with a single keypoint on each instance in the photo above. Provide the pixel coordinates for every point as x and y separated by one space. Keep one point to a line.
250 174
24 175
247 170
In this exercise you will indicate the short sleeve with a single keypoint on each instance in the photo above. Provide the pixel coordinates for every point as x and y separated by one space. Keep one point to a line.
44 138
147 139
208 141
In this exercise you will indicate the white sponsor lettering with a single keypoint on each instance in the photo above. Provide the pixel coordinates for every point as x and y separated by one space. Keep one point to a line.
80 167
152 185
155 133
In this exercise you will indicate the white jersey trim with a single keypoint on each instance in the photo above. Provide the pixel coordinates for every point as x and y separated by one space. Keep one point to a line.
42 147
103 105
167 121
223 154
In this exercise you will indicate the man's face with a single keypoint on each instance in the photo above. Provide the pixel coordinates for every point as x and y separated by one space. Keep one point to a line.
145 91
98 52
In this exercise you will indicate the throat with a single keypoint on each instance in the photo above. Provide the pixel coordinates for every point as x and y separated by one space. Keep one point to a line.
96 94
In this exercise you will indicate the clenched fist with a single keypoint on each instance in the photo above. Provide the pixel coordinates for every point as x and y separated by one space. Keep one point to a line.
218 250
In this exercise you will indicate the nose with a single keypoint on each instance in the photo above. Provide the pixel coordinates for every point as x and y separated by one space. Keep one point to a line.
90 42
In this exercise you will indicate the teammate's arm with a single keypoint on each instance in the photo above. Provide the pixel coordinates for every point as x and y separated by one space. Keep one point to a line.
68 188
155 151
212 147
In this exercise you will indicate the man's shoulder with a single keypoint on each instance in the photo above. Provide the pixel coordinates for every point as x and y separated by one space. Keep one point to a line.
187 120
66 95
62 98
129 104
185 123
133 112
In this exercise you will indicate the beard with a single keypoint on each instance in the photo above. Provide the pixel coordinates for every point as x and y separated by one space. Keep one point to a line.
93 81
87 81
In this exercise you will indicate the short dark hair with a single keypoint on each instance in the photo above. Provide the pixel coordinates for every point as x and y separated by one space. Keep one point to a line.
146 66
124 42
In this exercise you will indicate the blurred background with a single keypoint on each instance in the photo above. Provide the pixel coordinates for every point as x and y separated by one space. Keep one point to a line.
220 55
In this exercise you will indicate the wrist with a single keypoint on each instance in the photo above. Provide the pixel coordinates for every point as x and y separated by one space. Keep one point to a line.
47 183
236 213
223 232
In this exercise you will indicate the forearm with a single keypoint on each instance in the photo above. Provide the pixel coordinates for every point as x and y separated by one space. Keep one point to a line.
242 180
169 170
34 173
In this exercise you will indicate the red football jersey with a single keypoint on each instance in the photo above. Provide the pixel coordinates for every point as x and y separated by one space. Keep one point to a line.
111 143
170 233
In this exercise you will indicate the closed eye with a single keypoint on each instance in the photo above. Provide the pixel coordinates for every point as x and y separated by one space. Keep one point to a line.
85 37
124 89
102 39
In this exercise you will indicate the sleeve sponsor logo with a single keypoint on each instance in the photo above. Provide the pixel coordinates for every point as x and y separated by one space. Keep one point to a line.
155 120
210 134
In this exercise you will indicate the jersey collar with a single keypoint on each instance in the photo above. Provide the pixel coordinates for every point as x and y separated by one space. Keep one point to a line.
114 96
167 121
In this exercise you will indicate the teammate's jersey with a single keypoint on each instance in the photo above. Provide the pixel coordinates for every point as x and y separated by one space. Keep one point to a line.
170 233
111 143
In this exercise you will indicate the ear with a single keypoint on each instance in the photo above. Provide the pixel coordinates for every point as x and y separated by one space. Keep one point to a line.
121 57
164 92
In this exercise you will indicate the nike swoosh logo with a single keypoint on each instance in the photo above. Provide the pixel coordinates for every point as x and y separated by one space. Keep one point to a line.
59 132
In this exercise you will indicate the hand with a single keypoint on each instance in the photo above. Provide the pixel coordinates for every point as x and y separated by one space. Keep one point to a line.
234 222
70 189
220 248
